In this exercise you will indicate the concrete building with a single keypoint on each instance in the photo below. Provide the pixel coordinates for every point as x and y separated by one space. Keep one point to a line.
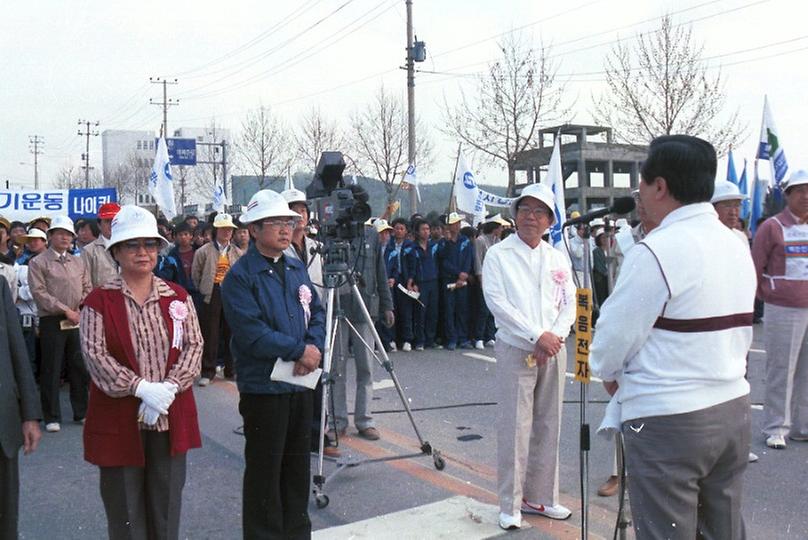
596 170
119 146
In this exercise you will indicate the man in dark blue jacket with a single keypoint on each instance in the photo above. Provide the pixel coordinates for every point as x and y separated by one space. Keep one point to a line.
276 316
455 261
426 282
400 256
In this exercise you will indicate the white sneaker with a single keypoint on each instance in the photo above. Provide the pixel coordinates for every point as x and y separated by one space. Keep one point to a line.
776 441
393 347
204 381
479 344
509 522
406 347
419 348
753 457
490 342
52 427
553 512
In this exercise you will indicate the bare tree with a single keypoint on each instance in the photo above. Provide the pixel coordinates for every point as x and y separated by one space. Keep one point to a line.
264 145
516 95
70 177
316 134
204 176
130 178
379 141
661 86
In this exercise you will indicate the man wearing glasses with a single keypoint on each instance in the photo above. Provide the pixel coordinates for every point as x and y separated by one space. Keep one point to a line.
528 287
270 303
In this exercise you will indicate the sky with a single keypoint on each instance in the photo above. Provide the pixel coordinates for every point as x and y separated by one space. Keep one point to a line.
92 59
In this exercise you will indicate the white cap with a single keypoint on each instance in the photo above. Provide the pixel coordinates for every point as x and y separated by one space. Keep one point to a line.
134 222
293 196
370 221
453 218
498 219
267 203
797 178
381 225
622 223
726 191
62 222
538 191
33 232
597 222
224 220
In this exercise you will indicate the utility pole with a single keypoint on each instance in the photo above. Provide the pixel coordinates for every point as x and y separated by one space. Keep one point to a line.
166 102
85 157
416 52
36 143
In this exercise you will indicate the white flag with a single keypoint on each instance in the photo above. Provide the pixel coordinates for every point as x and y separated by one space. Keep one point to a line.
161 185
466 192
412 179
554 179
769 146
219 198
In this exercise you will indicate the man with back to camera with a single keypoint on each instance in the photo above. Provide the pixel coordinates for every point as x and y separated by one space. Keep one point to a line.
276 317
780 252
676 368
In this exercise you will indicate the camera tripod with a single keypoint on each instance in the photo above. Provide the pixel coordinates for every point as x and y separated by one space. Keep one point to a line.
335 317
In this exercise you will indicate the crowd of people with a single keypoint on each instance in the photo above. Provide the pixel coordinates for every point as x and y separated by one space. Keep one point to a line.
117 306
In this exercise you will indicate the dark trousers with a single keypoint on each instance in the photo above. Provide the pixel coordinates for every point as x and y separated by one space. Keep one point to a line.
485 328
686 472
216 329
145 502
29 335
277 431
9 495
426 316
59 347
456 316
403 305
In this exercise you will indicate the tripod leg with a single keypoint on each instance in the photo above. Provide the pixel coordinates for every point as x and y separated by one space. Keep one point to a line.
330 330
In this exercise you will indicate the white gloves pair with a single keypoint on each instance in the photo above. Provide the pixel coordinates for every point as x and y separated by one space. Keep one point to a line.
156 398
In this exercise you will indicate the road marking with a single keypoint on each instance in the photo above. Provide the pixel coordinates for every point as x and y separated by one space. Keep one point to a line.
757 351
382 384
479 356
571 375
757 407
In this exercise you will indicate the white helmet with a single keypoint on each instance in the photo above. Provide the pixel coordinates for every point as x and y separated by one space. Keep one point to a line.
267 203
293 196
224 220
538 191
134 222
726 191
62 222
797 178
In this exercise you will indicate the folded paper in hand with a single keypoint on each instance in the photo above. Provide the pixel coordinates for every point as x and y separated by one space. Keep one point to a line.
412 294
284 372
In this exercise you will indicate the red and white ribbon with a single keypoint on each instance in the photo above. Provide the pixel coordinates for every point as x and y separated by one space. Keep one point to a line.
178 312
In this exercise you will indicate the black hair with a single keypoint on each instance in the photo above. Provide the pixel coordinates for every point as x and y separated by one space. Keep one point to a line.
490 227
402 221
202 228
469 232
416 225
506 233
688 165
88 222
182 227
15 224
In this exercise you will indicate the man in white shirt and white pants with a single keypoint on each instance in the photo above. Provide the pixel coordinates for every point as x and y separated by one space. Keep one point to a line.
528 287
676 366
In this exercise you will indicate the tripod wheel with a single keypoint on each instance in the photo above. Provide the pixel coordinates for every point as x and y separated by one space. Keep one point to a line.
321 500
439 463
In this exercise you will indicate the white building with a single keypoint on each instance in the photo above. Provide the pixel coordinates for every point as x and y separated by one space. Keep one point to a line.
118 146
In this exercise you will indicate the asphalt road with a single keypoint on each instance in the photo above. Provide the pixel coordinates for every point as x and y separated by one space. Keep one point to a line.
453 396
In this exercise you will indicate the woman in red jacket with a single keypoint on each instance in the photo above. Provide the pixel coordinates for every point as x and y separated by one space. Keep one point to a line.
141 341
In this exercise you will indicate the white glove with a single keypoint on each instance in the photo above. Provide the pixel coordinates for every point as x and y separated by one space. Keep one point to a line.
147 415
171 387
157 395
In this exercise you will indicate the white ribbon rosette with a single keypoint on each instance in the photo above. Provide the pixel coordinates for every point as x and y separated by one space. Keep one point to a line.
304 294
179 312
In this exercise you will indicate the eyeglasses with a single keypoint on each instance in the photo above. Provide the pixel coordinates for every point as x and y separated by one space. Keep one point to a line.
280 224
150 244
537 212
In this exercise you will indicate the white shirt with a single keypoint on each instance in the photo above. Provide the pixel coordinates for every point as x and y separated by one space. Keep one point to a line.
529 291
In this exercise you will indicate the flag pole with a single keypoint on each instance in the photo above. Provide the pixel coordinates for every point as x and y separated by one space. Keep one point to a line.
452 203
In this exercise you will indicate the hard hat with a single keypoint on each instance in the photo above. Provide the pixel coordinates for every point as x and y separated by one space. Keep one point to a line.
726 191
224 220
62 222
267 203
498 219
108 210
133 222
381 225
540 192
32 233
797 178
293 196
46 219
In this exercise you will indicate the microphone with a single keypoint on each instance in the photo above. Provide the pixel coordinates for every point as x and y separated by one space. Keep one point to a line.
622 205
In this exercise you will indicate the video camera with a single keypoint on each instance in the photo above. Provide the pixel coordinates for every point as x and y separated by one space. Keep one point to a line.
340 212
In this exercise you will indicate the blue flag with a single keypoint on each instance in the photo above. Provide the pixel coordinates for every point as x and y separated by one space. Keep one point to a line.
758 195
745 206
732 176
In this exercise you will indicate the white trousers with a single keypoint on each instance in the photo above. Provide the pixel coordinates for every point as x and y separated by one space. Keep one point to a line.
528 428
786 405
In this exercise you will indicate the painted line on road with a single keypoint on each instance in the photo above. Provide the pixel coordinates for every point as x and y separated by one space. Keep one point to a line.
757 351
479 356
384 383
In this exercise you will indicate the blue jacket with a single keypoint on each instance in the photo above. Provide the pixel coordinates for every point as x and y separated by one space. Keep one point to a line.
267 320
184 281
400 266
454 258
426 262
